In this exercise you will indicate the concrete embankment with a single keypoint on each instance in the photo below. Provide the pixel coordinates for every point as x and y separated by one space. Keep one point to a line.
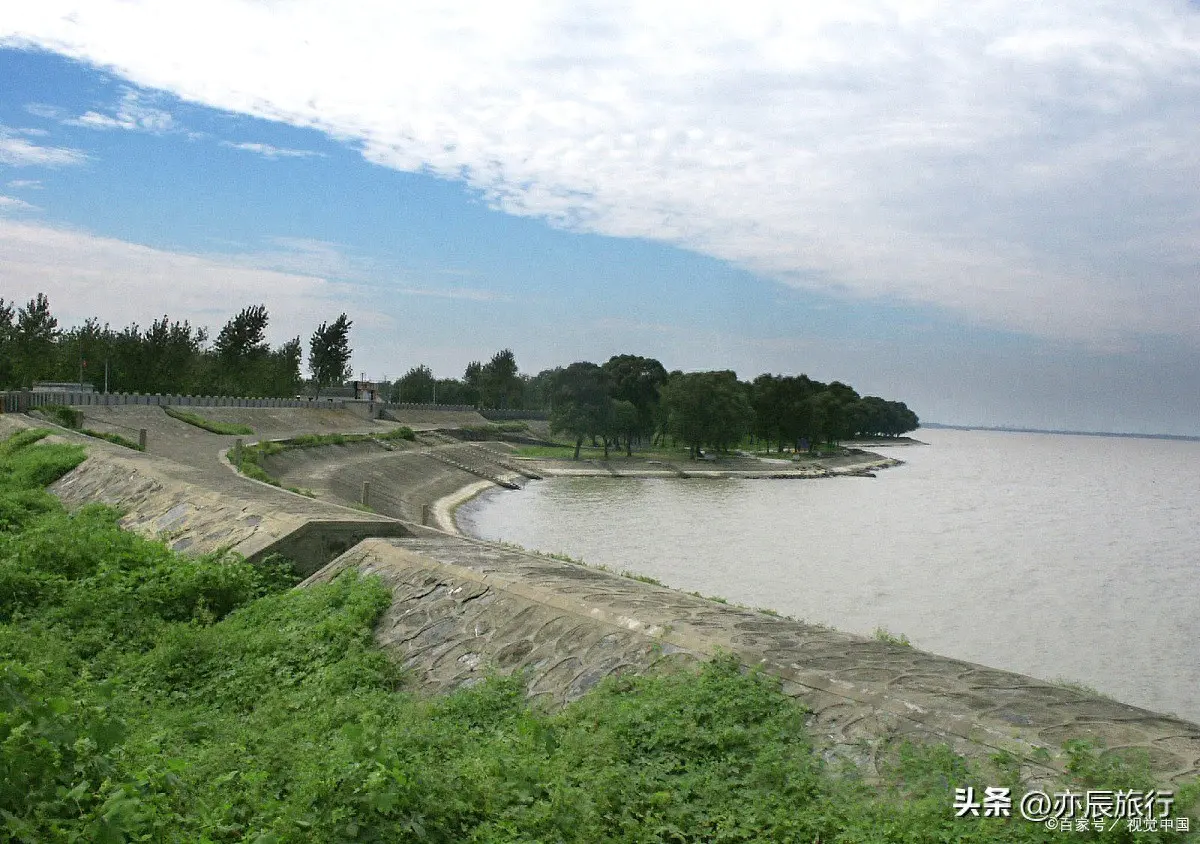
410 481
204 507
463 607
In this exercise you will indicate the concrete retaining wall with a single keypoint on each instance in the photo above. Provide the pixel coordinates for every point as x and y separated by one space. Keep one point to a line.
159 500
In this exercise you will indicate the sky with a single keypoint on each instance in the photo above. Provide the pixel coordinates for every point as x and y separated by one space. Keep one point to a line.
988 210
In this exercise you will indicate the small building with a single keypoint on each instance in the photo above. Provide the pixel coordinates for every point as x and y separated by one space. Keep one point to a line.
365 390
62 387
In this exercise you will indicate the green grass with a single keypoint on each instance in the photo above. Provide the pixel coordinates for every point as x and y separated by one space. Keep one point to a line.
882 634
147 696
207 424
249 459
68 417
493 430
108 436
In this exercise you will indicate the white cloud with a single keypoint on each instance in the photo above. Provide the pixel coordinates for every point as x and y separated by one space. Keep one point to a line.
466 293
1018 163
120 282
25 184
45 110
132 113
18 152
269 151
11 203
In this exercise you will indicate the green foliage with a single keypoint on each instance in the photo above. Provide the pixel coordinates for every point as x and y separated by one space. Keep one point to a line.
642 578
581 402
108 436
22 439
24 467
707 409
329 353
68 417
249 460
401 433
492 430
417 386
146 696
882 634
167 357
258 473
206 424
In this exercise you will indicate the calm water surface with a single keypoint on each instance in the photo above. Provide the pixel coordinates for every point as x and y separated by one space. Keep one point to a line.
1063 557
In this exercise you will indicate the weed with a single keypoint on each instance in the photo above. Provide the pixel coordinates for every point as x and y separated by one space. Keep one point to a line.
882 634
1082 688
116 439
147 696
227 428
66 416
642 578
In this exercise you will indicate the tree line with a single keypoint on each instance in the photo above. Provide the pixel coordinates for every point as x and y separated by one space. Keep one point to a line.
632 400
169 356
626 401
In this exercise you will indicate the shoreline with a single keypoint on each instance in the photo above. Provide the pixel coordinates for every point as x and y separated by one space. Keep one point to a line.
443 511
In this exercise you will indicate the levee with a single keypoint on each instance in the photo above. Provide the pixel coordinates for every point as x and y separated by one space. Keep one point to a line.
463 607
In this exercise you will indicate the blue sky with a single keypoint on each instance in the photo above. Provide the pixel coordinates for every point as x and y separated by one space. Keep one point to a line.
992 213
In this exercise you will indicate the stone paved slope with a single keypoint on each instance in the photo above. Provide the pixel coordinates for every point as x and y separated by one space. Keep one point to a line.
462 607
203 510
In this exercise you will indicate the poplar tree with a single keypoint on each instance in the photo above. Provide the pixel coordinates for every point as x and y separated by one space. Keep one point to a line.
329 354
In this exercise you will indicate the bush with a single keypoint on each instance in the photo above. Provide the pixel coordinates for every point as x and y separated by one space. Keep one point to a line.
401 433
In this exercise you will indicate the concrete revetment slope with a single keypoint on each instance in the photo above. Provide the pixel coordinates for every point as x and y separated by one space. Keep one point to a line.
463 607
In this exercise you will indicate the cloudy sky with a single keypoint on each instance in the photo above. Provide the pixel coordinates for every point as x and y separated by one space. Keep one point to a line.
990 210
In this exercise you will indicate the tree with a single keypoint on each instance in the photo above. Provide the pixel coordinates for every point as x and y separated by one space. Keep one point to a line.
639 381
581 402
707 409
498 383
33 348
284 369
417 386
241 352
539 390
8 335
623 421
473 380
244 336
168 355
329 354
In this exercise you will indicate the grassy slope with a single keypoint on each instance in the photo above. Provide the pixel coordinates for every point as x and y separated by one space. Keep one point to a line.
148 696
